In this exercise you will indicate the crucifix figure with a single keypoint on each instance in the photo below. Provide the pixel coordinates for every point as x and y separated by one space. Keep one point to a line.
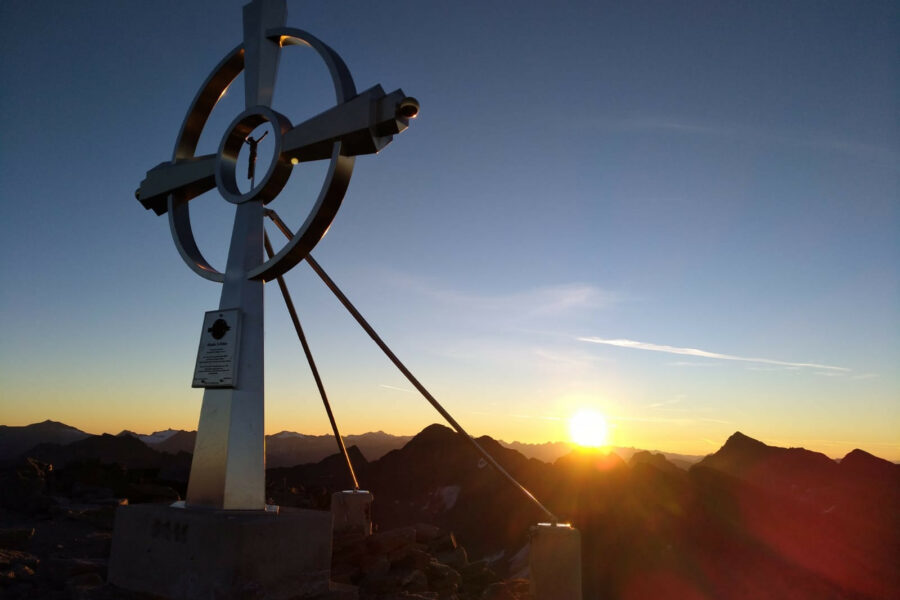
251 164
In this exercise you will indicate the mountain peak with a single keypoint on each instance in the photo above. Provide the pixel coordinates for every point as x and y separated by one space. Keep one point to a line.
52 425
17 439
861 463
738 440
434 433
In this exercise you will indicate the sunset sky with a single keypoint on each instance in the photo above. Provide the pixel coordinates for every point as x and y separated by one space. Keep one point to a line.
683 215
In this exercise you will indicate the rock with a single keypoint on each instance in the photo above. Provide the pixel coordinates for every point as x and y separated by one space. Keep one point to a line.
476 577
385 542
443 543
497 591
513 589
88 492
111 501
415 558
79 584
345 573
98 543
414 596
18 590
374 565
456 558
23 572
380 583
337 591
414 581
150 492
62 570
442 578
7 577
23 487
426 533
10 558
16 573
395 556
101 517
15 539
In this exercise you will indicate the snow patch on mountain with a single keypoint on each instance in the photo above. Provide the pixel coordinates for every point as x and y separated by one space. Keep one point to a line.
287 434
449 495
157 436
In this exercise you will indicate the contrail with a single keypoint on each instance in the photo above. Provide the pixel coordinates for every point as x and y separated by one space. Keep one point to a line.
703 353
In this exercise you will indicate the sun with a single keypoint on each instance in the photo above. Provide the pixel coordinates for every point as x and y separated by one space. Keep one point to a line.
588 428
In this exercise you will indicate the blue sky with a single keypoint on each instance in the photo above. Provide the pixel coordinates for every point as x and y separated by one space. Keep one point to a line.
601 205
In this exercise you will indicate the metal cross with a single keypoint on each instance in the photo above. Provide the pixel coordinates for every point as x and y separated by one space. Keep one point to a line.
228 469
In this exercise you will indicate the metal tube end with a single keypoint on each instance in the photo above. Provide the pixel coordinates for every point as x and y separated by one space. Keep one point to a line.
408 108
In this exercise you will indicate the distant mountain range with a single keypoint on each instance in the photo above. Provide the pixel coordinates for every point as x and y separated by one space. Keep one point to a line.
551 451
283 449
749 521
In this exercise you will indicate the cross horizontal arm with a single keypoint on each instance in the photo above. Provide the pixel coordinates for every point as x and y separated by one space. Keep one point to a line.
190 176
365 124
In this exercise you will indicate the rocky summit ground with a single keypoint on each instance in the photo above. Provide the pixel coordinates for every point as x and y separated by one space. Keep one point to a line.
56 532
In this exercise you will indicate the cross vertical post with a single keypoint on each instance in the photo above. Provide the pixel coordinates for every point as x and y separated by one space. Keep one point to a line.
228 468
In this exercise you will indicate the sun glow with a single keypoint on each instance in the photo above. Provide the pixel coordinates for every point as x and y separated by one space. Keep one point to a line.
588 428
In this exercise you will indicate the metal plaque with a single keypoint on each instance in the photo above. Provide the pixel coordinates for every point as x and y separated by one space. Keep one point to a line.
217 357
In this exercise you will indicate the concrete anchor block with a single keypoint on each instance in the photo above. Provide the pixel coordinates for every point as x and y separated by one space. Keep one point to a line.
555 561
182 553
352 512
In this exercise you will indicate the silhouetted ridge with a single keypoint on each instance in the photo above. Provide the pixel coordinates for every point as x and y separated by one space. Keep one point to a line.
782 470
14 440
744 444
181 441
126 450
337 459
657 461
434 434
589 460
859 463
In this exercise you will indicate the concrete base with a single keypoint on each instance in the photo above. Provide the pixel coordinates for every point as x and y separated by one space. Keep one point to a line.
555 560
352 512
182 553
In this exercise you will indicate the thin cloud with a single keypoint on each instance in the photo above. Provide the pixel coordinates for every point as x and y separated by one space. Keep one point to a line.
669 402
706 354
539 417
688 363
393 387
542 301
719 421
517 416
673 420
